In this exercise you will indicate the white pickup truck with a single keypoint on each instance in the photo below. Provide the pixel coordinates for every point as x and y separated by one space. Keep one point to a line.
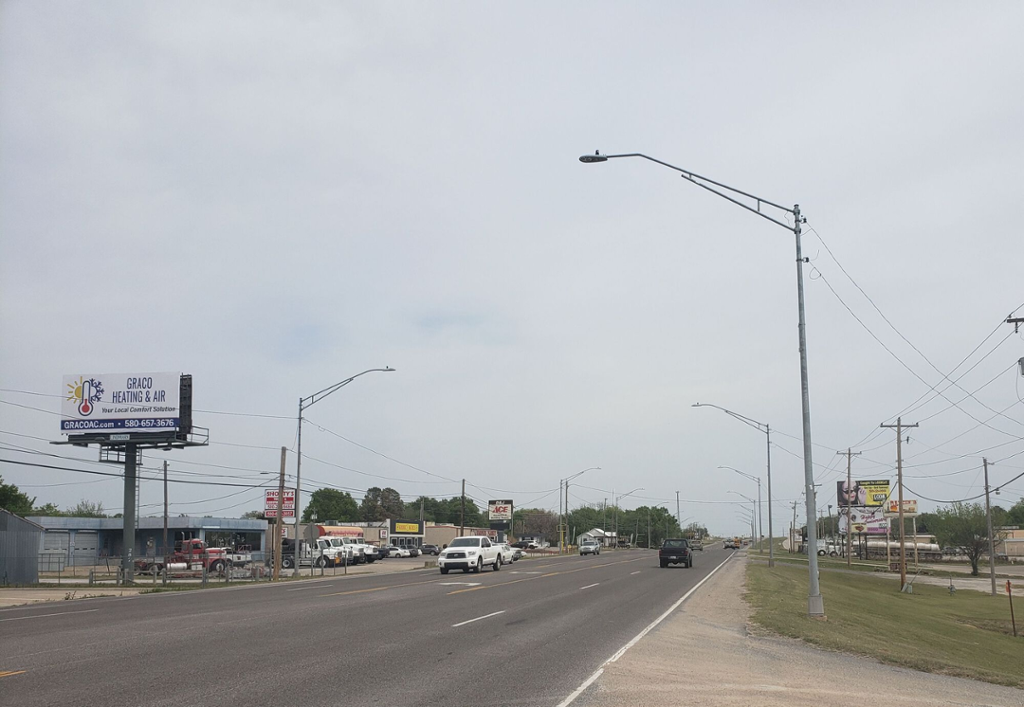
469 553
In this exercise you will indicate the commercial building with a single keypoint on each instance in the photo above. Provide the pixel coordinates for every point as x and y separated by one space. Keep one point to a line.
71 541
1010 543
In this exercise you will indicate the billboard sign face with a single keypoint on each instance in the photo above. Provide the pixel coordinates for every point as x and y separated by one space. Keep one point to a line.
120 402
909 507
863 493
499 510
864 519
270 504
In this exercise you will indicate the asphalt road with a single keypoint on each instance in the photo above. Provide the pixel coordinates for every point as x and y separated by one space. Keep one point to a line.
529 634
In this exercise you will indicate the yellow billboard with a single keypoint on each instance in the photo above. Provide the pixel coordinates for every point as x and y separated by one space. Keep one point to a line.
873 492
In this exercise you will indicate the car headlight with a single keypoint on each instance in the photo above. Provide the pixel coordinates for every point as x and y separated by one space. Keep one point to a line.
471 552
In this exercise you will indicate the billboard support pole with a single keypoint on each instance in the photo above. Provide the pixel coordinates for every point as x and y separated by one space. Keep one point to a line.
128 541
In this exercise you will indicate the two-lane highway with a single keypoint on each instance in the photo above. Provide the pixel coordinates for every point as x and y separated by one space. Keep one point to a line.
529 634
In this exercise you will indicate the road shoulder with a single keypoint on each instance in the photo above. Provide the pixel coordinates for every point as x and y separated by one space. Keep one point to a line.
707 653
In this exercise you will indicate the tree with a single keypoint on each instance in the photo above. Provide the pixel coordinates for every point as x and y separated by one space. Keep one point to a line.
87 509
963 525
331 504
13 500
537 521
254 515
381 504
48 509
1015 516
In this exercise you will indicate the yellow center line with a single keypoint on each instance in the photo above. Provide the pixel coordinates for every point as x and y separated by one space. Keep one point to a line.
549 574
9 673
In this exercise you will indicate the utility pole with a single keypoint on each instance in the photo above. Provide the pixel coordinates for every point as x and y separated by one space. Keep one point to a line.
462 515
604 521
421 510
792 527
165 506
899 480
648 527
991 538
849 484
278 524
561 516
679 521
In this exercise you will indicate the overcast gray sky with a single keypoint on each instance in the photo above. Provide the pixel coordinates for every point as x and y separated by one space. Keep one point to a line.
274 197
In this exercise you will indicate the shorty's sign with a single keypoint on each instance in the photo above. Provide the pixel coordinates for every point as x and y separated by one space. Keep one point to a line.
120 402
270 504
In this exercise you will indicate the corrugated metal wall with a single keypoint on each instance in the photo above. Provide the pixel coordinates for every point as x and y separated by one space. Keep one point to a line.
19 550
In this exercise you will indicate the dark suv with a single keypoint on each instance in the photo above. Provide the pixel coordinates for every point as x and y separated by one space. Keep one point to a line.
675 551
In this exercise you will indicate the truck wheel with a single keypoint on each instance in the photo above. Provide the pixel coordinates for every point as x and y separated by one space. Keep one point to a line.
833 554
479 565
155 570
287 563
498 563
663 563
217 567
444 570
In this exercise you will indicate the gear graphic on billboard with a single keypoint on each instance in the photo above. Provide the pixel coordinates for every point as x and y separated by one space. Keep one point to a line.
86 392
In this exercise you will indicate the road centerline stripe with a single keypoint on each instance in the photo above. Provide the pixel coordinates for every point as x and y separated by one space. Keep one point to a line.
478 618
589 586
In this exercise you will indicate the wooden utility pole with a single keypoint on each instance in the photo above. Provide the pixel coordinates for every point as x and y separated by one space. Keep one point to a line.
462 515
991 538
899 481
278 524
849 485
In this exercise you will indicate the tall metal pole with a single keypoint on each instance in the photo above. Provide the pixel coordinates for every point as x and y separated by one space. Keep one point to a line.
991 537
815 604
131 459
462 515
165 506
678 517
760 528
298 490
279 521
771 537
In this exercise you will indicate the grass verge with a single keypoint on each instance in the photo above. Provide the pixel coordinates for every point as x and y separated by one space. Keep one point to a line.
967 635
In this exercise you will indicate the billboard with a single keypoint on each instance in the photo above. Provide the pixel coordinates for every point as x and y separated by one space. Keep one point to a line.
120 402
864 519
499 510
909 507
270 504
863 493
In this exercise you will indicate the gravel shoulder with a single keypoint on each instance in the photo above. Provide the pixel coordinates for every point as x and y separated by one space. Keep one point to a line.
707 653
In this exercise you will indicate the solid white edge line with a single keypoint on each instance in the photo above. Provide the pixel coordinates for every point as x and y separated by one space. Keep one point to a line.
43 616
579 690
478 618
619 653
589 586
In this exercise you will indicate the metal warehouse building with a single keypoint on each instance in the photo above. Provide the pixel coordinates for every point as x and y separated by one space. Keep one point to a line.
19 549
78 542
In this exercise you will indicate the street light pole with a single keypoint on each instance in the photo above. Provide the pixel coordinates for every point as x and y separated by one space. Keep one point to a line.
815 604
761 427
563 524
760 529
617 499
303 404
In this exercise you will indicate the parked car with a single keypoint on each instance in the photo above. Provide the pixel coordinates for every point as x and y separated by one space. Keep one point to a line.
431 550
590 547
394 551
675 551
469 553
517 553
507 553
521 545
414 551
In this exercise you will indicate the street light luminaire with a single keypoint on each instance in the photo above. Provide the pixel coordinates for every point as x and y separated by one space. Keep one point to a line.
596 157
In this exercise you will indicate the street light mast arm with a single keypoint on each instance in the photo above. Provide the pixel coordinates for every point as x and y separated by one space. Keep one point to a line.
703 183
742 418
320 395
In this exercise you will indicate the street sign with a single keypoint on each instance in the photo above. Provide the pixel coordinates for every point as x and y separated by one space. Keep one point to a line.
270 503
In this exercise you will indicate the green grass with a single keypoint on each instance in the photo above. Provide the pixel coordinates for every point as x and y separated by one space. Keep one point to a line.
967 635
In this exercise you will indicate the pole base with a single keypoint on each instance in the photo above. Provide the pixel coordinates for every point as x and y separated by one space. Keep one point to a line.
816 606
